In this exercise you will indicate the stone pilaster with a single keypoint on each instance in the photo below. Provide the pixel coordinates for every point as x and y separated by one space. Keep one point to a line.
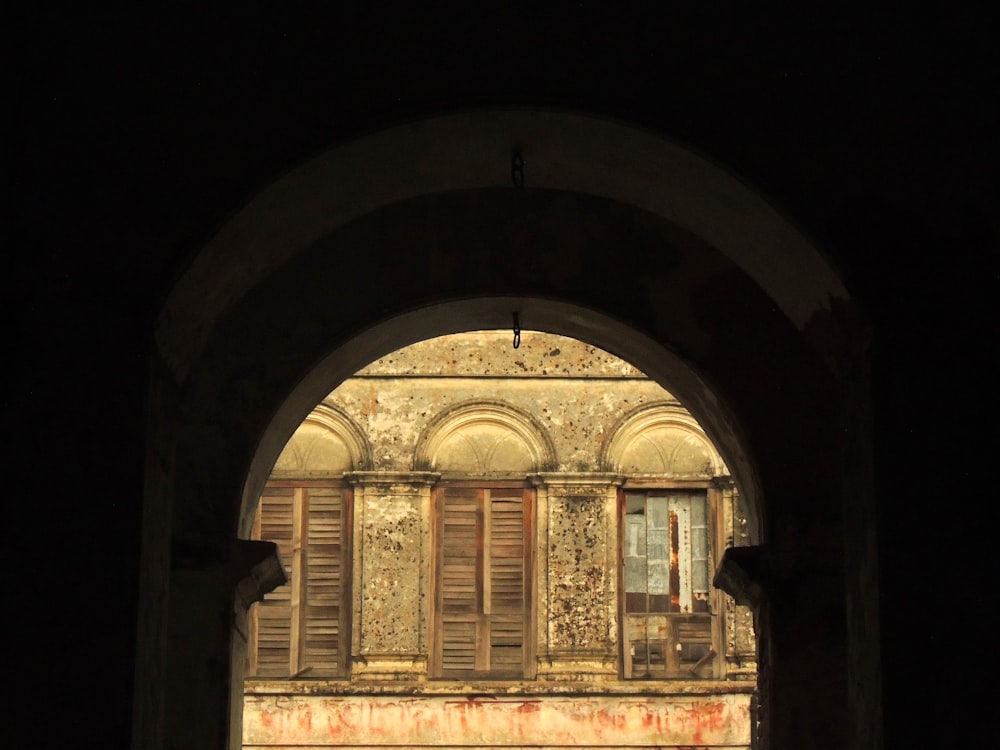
578 560
736 628
392 554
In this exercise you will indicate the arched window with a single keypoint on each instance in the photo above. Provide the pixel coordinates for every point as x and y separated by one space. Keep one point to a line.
672 513
482 618
303 626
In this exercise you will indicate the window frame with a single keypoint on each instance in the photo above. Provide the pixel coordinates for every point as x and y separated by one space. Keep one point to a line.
529 495
297 572
712 665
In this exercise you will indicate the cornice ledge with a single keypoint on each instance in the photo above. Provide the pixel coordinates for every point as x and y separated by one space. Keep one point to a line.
392 477
577 479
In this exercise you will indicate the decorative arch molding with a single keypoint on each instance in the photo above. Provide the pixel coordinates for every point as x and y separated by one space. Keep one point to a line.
327 443
662 439
480 438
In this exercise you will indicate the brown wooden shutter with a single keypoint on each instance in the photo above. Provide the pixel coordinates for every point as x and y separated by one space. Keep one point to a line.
273 620
482 602
461 555
506 581
323 646
303 626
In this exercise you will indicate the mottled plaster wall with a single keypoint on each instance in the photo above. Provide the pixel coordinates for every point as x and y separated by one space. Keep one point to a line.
576 392
392 525
568 400
581 585
573 398
493 353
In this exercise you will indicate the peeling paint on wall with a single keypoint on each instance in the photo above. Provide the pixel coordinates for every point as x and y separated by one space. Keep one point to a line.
571 403
534 721
491 353
391 565
577 392
577 574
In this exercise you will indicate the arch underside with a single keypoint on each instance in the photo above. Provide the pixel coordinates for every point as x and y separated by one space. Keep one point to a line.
633 284
239 371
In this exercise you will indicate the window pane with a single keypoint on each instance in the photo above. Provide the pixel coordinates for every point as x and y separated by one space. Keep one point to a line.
635 536
667 621
658 564
635 553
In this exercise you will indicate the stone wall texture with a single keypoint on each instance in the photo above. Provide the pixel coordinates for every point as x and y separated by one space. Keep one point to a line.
574 424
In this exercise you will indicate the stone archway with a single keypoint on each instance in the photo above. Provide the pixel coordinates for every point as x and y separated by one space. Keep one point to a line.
551 436
619 238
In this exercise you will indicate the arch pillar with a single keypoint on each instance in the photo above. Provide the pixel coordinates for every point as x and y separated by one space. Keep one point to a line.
211 588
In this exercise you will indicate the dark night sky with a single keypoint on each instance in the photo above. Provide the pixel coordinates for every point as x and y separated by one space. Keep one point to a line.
134 133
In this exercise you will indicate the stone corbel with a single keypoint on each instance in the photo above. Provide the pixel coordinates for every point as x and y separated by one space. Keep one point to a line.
252 567
747 573
744 573
256 568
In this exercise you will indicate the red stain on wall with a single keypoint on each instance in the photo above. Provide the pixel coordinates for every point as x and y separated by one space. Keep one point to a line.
529 707
569 720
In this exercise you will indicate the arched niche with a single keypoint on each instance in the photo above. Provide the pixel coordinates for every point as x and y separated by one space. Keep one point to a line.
326 444
662 440
484 438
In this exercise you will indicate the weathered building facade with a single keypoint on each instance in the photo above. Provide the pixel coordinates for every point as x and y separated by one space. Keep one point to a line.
495 546
211 207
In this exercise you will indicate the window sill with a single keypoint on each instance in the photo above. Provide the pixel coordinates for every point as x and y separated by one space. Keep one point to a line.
488 689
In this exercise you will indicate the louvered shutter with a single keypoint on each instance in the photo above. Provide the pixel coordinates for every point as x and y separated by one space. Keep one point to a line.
323 648
302 627
273 618
461 554
506 582
482 602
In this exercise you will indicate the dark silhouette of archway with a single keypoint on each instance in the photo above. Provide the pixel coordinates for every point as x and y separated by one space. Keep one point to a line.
659 257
